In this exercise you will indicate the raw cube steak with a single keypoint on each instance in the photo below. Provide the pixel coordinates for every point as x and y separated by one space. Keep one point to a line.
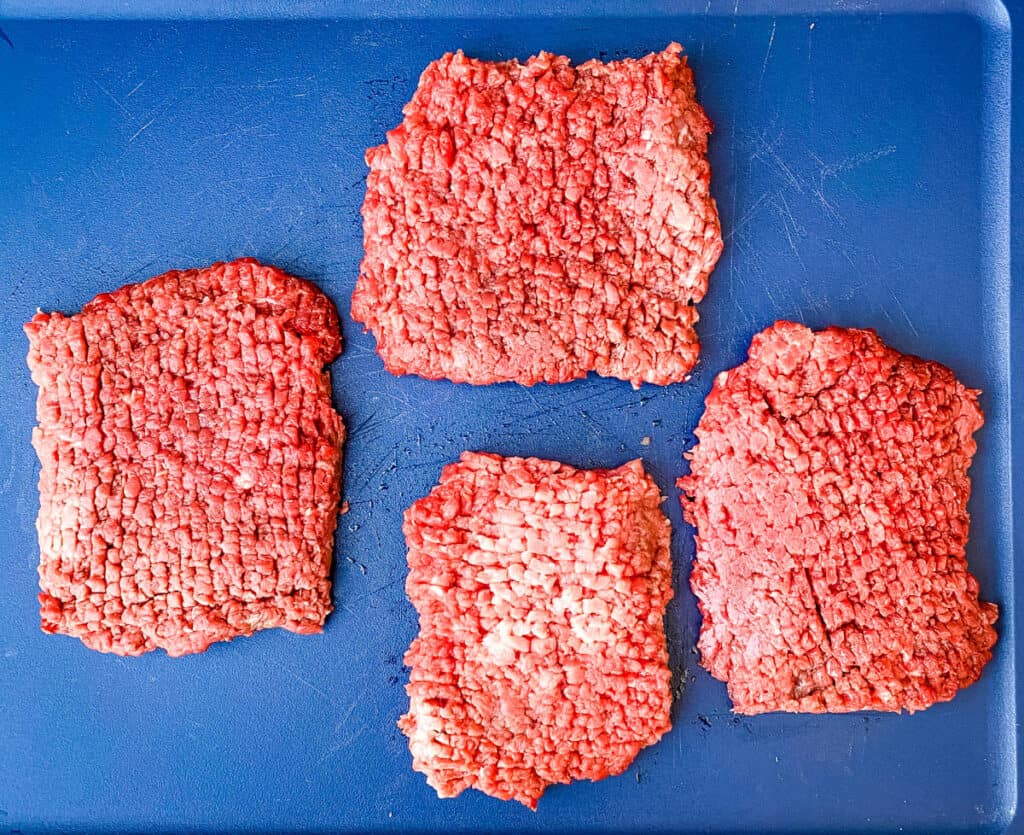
535 222
829 488
191 460
541 656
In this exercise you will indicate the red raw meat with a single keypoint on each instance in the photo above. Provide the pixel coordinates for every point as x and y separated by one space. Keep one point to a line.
541 656
535 222
829 489
191 460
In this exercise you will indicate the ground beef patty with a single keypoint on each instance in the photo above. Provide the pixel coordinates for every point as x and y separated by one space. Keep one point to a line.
534 222
541 656
829 490
190 457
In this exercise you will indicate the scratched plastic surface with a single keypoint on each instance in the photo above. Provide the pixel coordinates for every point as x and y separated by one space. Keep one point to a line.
857 169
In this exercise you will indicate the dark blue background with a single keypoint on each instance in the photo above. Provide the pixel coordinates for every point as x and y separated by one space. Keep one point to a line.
860 165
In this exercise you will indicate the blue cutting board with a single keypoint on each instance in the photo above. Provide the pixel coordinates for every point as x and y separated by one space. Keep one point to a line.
860 164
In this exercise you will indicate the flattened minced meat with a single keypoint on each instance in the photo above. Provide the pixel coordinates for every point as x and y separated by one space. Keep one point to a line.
535 222
191 460
541 656
829 489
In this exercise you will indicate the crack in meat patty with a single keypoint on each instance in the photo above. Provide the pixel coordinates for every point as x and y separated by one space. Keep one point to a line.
829 489
541 656
535 222
191 460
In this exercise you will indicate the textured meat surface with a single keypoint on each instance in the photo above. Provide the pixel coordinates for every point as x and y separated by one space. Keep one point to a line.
191 460
541 656
535 222
829 488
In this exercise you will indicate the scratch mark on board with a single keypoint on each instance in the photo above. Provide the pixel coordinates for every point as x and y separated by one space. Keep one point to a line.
830 210
845 252
903 312
767 56
371 473
782 165
858 160
6 39
351 709
113 98
310 685
141 130
165 107
810 71
345 743
615 407
747 216
707 9
888 315
138 86
587 396
380 588
545 411
815 304
789 235
797 228
586 416
373 421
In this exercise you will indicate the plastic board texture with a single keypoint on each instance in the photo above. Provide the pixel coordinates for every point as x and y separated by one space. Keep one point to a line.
860 163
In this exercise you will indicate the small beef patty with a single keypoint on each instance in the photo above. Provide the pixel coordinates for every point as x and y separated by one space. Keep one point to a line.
829 489
541 656
535 222
191 460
